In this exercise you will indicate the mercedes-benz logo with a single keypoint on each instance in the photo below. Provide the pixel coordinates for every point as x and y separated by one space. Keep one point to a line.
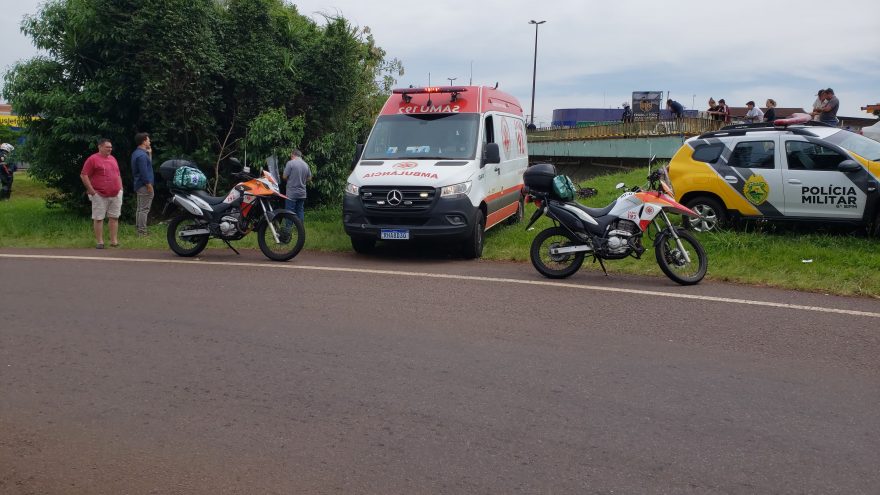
394 197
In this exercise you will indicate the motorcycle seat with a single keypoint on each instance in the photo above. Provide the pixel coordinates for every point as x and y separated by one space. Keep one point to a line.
595 212
207 198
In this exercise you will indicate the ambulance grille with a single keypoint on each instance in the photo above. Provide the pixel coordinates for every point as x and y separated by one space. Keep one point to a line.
411 199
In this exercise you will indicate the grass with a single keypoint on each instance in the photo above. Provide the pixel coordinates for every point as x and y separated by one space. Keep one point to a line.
841 264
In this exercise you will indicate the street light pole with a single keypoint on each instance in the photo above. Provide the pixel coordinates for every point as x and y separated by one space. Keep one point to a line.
534 70
451 79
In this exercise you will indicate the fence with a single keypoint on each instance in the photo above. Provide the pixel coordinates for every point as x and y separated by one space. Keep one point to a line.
683 126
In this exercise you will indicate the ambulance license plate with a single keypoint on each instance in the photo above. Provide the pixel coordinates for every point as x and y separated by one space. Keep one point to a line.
389 234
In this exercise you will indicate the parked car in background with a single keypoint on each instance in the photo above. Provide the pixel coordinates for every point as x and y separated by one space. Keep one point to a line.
808 172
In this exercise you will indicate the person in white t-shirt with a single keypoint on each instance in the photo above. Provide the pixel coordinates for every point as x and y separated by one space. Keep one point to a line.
754 114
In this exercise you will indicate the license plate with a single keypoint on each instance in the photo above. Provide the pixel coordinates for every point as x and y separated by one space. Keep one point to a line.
394 234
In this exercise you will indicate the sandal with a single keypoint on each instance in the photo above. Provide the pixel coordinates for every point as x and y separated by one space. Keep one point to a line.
99 246
116 244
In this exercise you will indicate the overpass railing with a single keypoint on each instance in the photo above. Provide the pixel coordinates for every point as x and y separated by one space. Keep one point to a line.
645 128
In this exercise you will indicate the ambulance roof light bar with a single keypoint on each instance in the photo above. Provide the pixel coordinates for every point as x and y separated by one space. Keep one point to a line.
406 93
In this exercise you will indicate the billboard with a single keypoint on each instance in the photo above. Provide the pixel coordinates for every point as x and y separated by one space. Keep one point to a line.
646 104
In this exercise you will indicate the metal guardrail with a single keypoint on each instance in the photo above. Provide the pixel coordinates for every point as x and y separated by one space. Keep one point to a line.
644 128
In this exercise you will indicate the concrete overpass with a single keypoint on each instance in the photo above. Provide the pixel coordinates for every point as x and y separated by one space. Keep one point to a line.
582 152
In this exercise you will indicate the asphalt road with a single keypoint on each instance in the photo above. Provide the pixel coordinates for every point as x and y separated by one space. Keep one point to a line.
140 372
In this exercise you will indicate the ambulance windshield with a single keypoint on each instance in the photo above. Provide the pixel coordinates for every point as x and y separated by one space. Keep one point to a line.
447 136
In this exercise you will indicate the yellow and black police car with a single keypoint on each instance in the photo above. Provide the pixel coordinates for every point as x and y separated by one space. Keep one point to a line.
806 172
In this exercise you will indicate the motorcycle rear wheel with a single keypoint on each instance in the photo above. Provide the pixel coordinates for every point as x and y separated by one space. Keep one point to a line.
672 262
555 265
185 246
291 237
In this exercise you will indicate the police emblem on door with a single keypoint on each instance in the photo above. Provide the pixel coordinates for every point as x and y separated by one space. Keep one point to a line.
756 190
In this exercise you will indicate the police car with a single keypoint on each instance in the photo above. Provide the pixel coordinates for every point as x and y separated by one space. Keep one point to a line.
804 172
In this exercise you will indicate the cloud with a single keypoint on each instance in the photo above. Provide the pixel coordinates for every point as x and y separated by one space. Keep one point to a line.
596 52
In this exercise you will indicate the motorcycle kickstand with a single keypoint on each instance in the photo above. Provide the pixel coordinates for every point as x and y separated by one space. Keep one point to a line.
232 248
602 265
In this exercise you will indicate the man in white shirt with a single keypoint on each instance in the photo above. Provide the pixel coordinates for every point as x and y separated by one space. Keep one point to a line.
754 114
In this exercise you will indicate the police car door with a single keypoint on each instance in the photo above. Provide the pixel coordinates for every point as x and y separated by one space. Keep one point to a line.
814 187
754 170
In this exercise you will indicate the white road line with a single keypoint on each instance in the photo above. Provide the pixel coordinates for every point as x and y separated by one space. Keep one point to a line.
544 283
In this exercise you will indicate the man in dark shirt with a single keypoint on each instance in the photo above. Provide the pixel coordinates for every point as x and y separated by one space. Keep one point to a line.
674 107
828 112
142 170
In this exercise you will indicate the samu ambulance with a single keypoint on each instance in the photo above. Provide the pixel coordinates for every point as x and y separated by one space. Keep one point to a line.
440 163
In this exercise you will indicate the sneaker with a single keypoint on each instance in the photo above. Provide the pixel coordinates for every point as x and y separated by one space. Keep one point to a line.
99 246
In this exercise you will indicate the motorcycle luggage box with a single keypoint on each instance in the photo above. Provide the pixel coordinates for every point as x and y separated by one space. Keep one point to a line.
168 167
539 177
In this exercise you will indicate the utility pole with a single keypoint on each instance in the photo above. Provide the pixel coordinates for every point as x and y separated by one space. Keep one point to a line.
534 71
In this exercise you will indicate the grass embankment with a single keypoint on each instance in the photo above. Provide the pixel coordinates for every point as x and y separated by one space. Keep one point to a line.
841 264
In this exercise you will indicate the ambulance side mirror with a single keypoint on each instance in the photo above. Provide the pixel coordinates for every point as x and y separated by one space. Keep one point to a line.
358 151
492 154
849 166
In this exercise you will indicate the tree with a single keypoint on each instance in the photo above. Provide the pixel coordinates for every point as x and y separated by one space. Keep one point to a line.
200 76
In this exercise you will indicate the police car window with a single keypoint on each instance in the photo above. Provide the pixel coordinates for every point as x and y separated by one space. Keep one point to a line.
803 155
753 154
855 143
708 153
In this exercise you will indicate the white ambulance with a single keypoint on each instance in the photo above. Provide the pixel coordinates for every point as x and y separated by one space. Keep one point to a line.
440 162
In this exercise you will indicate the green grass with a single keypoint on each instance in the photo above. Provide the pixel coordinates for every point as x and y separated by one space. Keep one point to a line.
841 264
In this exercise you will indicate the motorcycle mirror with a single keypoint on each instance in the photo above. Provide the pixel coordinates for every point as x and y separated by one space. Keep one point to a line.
246 169
620 185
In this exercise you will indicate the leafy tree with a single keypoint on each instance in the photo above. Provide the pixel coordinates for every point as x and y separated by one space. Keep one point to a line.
200 76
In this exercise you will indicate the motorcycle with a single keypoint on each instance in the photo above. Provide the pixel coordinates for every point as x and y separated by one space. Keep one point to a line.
246 208
613 232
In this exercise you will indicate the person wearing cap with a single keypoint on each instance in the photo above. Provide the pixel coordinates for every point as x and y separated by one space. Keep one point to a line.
827 113
818 104
754 114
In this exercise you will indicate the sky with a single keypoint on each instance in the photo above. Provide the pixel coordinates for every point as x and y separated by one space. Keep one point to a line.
595 53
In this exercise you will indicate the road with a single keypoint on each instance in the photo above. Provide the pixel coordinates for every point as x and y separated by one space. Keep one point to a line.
140 372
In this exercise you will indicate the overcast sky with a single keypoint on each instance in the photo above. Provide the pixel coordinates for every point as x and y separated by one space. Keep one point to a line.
595 53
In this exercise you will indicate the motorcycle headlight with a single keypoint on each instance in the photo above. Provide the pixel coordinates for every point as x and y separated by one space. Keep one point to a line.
454 190
352 189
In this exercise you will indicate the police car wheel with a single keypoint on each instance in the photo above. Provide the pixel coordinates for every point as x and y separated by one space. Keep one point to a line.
714 216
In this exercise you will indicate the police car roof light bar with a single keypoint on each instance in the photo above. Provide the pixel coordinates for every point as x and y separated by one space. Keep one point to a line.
744 131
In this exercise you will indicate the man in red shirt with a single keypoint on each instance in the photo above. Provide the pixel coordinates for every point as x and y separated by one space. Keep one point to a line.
100 174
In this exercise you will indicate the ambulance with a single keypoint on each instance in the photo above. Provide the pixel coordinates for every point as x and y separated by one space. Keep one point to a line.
440 163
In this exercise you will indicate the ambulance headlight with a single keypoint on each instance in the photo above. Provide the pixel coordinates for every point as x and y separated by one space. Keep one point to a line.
455 190
351 189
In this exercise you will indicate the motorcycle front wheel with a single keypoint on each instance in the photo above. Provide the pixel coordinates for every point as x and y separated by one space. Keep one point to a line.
291 235
186 246
555 265
672 260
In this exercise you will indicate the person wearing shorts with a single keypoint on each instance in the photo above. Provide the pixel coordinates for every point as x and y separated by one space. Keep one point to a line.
100 175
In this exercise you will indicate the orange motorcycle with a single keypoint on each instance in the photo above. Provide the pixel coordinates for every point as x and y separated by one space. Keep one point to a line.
247 208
